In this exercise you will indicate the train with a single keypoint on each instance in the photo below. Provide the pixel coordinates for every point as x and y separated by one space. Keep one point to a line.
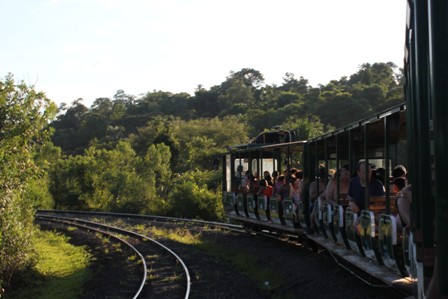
412 133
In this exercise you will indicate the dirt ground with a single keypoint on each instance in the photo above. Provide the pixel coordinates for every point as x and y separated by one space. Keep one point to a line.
302 272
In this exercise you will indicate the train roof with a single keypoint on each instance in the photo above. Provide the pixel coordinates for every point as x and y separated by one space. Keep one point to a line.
376 129
374 120
265 147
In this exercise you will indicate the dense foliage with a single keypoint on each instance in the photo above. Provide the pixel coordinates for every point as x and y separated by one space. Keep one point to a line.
157 153
24 115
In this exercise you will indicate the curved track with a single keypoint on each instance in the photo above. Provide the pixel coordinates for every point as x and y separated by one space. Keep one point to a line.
142 251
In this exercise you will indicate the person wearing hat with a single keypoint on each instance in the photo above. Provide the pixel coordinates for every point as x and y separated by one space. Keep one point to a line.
399 171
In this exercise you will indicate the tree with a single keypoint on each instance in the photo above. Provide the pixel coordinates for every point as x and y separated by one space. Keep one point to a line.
67 129
117 183
24 116
379 84
235 97
306 127
114 180
286 98
249 77
291 84
191 196
205 102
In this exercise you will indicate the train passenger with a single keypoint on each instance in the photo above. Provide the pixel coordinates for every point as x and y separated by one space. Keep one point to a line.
343 175
267 175
244 189
294 190
280 181
398 185
254 182
294 195
254 188
238 176
282 191
404 203
399 172
317 190
292 172
274 180
266 191
239 182
356 190
380 174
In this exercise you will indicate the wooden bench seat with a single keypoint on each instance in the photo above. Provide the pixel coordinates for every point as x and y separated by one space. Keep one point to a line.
377 204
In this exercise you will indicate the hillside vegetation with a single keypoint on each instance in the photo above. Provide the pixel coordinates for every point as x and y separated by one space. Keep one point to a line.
157 153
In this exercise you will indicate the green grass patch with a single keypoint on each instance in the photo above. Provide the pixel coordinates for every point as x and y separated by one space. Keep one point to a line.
60 271
179 235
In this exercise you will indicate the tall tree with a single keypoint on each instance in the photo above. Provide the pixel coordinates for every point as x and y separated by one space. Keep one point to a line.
205 102
67 128
249 77
235 97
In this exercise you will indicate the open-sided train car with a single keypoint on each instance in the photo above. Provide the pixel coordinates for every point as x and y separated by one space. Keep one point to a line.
257 158
380 139
413 133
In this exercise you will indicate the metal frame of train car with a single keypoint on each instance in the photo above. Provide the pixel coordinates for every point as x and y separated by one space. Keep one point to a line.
380 140
376 137
426 90
258 158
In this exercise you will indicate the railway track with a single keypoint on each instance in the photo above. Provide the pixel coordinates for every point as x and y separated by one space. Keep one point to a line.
163 274
88 214
205 281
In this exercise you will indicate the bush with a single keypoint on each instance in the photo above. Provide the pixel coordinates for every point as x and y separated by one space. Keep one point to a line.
24 114
191 198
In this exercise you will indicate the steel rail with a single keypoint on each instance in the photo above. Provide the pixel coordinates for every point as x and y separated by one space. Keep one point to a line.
127 215
68 221
176 256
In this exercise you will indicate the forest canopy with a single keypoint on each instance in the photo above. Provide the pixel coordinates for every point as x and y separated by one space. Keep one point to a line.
157 153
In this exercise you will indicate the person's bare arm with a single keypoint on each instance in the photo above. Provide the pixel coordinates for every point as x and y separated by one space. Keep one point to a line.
353 206
330 192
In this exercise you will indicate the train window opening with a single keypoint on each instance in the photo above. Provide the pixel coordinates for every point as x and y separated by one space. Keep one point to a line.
269 164
254 167
296 159
242 162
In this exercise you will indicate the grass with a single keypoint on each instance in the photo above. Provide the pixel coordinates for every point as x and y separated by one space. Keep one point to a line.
60 271
179 235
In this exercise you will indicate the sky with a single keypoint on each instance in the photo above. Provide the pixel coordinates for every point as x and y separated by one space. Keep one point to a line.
89 49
